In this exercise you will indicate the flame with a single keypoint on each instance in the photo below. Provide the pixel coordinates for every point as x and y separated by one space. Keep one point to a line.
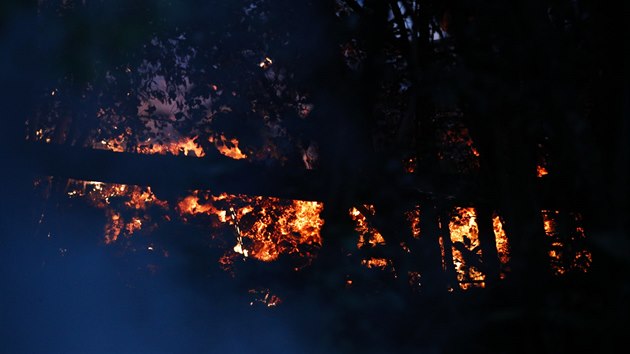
125 206
186 146
466 250
413 217
190 205
555 252
566 252
541 171
503 247
368 235
266 227
228 147
373 262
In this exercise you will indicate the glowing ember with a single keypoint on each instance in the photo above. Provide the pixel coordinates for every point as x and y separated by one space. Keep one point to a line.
380 263
125 206
567 252
555 253
503 247
415 281
368 235
466 249
442 251
414 219
265 297
265 63
410 165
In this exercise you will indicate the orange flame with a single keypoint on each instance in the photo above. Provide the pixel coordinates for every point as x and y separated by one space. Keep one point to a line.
466 249
185 146
541 171
413 217
570 255
503 247
380 263
133 199
228 147
368 235
266 227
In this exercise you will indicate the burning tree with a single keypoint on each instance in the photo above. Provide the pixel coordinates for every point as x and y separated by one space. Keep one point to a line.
389 152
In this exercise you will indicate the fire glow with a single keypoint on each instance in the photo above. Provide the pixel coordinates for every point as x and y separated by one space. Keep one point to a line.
265 227
567 251
467 255
466 248
368 235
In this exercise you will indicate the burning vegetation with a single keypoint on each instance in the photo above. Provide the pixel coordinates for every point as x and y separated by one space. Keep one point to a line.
263 227
566 239
154 108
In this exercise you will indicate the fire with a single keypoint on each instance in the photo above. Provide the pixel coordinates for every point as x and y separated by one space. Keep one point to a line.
125 206
185 146
380 263
228 147
190 205
541 171
556 251
413 217
415 281
188 146
368 235
503 247
567 252
466 249
265 227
